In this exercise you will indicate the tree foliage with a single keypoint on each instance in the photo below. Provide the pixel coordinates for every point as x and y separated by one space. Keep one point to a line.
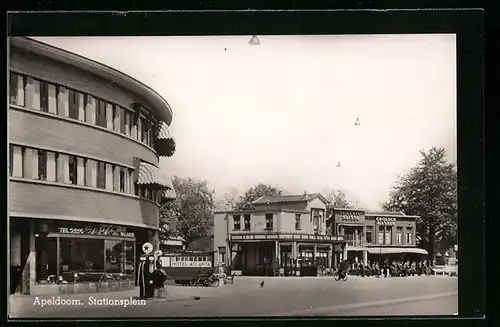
190 215
429 190
228 202
337 199
253 193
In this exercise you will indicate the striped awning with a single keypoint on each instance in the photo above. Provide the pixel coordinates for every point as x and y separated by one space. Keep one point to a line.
149 174
164 132
164 143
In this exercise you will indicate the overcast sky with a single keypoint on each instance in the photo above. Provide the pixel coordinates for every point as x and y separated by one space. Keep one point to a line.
283 112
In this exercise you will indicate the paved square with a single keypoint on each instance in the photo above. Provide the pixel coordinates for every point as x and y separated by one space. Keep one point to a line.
294 296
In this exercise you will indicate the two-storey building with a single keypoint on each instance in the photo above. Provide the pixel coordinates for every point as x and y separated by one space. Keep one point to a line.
281 232
376 236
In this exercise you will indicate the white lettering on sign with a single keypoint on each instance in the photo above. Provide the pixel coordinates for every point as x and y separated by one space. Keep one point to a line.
386 221
101 231
197 264
349 216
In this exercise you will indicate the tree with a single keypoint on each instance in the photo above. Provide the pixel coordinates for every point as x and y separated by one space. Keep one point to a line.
190 215
429 190
337 199
255 192
228 202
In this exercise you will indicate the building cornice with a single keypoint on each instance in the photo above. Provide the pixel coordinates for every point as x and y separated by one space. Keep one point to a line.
155 101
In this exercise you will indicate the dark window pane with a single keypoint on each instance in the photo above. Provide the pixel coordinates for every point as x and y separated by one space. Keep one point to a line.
42 165
73 170
84 257
44 96
13 87
101 175
73 104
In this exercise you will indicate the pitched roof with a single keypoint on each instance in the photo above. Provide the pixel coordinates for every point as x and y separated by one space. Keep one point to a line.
289 198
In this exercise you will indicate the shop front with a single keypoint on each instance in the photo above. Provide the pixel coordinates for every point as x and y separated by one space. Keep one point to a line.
78 257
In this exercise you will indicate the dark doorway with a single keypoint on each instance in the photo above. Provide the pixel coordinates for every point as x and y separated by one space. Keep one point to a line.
46 257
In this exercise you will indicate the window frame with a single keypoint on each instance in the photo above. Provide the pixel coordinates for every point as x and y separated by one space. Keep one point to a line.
269 221
236 222
247 221
298 218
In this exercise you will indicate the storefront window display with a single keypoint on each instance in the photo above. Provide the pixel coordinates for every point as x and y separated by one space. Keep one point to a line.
79 253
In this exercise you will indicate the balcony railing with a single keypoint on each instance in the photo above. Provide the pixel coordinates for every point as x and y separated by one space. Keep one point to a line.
355 242
283 237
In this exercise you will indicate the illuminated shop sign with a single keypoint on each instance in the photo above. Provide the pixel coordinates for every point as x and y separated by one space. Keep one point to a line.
97 231
386 221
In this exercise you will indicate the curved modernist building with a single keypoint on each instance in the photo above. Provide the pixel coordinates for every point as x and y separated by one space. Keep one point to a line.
84 187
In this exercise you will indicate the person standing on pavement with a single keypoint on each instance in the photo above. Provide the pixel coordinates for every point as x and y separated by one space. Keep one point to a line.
159 278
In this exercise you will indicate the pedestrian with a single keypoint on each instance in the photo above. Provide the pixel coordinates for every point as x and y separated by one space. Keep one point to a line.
159 278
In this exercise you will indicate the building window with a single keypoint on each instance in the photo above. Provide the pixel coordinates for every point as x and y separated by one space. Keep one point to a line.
247 222
139 129
269 221
44 96
399 235
17 85
123 120
236 222
381 235
409 233
73 104
80 255
42 165
388 235
369 234
297 221
73 170
122 179
101 113
101 175
13 88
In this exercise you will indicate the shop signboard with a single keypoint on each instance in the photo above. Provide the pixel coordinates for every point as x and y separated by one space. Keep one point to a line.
195 264
101 230
386 221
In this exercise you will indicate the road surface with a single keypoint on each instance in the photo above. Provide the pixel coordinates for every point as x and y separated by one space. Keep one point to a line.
306 296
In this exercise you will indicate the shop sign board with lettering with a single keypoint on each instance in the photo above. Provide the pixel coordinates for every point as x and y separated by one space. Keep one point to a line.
386 221
96 231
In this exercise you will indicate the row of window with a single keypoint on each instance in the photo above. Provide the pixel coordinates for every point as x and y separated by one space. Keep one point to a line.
57 167
269 222
385 235
36 94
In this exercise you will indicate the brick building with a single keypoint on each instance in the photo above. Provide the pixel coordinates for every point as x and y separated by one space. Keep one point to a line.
376 236
84 184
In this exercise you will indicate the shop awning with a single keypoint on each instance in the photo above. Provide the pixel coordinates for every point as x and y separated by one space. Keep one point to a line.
149 174
169 194
382 250
165 143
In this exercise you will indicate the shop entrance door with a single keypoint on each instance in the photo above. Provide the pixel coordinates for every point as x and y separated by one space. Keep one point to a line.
286 259
46 259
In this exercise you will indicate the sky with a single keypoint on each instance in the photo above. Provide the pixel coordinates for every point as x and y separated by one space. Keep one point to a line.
283 112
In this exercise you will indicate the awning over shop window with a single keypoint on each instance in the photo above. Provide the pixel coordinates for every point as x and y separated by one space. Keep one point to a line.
149 174
383 250
165 143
